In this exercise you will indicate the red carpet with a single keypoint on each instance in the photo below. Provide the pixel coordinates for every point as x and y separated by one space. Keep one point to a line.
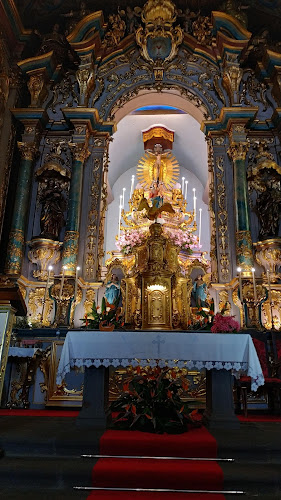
196 443
260 418
149 473
39 413
141 495
153 473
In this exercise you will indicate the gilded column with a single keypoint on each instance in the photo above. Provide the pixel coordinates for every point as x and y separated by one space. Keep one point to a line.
244 252
80 153
15 250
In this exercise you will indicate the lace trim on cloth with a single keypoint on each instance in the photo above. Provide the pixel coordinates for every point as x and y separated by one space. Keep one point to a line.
236 368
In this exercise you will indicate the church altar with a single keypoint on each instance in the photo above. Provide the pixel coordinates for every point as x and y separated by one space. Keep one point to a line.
220 354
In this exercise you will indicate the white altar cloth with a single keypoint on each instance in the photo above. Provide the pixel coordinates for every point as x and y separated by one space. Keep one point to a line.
22 352
235 352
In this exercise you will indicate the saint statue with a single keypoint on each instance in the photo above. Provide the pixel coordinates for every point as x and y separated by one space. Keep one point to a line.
58 43
156 194
199 291
53 208
268 206
112 290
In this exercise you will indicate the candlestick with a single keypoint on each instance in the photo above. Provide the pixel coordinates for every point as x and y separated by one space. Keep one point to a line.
185 194
254 284
200 223
76 284
182 184
123 198
132 186
48 281
62 281
269 285
240 284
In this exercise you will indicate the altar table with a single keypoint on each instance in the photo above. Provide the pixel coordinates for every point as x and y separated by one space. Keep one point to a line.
220 354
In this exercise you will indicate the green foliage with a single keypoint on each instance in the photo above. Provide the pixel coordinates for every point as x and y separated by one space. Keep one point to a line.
108 315
151 402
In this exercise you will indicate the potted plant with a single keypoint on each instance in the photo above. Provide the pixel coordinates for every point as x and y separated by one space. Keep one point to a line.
151 402
107 319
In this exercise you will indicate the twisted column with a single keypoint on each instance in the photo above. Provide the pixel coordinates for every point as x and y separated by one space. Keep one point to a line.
80 153
15 250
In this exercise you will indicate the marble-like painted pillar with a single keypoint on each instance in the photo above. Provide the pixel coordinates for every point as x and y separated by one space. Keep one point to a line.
15 250
80 153
244 250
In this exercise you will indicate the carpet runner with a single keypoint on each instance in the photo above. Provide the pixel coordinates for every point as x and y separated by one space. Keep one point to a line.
153 473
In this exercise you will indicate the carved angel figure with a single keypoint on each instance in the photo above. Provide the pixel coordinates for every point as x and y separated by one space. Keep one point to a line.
268 203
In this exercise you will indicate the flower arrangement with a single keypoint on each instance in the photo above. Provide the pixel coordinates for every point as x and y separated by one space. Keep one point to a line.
185 240
224 324
129 239
151 402
108 315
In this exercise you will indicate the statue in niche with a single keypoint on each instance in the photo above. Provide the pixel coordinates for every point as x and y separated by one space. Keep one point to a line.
199 291
112 290
57 42
53 207
268 203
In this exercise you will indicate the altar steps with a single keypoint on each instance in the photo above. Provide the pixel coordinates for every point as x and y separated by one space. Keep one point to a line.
42 459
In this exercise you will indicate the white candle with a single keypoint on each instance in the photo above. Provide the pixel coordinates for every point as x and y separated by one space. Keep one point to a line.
182 184
123 198
185 194
254 285
132 186
120 210
48 282
194 203
76 283
269 285
62 281
240 284
200 223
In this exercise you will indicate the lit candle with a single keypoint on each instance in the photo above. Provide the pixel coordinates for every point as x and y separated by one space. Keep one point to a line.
132 186
239 270
194 203
269 285
62 281
254 284
120 210
76 284
182 184
48 282
185 194
200 222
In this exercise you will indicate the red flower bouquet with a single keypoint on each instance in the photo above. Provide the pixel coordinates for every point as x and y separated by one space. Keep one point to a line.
224 324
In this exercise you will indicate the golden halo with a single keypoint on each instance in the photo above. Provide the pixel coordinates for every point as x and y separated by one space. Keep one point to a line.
169 170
